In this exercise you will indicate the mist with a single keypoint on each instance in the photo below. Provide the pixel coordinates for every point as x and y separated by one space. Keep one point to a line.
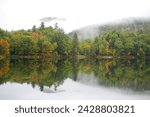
24 14
123 24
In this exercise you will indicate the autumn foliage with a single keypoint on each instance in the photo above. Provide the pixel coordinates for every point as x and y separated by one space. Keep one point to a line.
4 47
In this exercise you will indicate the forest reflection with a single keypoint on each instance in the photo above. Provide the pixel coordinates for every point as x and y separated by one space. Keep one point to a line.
133 74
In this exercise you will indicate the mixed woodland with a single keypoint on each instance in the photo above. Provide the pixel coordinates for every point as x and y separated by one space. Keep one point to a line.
114 41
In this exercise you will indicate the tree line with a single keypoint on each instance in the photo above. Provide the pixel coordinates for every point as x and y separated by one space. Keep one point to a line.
49 42
41 42
118 44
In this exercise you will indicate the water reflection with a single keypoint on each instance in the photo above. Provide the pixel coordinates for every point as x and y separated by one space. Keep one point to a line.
50 76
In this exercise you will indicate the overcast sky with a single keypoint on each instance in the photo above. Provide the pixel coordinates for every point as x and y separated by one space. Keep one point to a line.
19 14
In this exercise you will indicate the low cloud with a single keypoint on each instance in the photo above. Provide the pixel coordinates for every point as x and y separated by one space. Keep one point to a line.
50 19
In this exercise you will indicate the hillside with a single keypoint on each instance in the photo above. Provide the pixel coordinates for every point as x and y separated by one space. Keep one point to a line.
125 25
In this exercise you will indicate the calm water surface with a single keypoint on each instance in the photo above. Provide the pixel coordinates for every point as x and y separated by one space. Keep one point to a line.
65 79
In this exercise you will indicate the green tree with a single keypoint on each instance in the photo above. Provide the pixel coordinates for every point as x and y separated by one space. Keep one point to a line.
34 28
75 45
42 26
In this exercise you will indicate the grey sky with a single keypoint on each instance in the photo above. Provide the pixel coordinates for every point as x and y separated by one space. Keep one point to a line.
18 14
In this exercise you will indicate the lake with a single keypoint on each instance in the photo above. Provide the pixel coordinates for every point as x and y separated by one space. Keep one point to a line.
74 79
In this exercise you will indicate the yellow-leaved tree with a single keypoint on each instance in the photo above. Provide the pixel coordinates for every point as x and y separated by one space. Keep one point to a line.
4 47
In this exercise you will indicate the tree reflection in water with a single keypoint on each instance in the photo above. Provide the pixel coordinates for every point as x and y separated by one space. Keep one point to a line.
133 74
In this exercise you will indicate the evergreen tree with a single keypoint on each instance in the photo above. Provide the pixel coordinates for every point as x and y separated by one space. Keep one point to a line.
75 45
34 28
42 25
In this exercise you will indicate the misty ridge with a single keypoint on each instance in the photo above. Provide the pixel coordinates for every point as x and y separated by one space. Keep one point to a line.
123 25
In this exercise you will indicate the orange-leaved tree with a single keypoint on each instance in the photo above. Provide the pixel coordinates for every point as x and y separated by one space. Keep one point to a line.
4 47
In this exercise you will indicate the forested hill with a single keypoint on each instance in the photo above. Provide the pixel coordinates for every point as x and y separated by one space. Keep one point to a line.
126 25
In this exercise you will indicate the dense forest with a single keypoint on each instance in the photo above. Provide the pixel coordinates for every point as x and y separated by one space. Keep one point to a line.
47 42
42 42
